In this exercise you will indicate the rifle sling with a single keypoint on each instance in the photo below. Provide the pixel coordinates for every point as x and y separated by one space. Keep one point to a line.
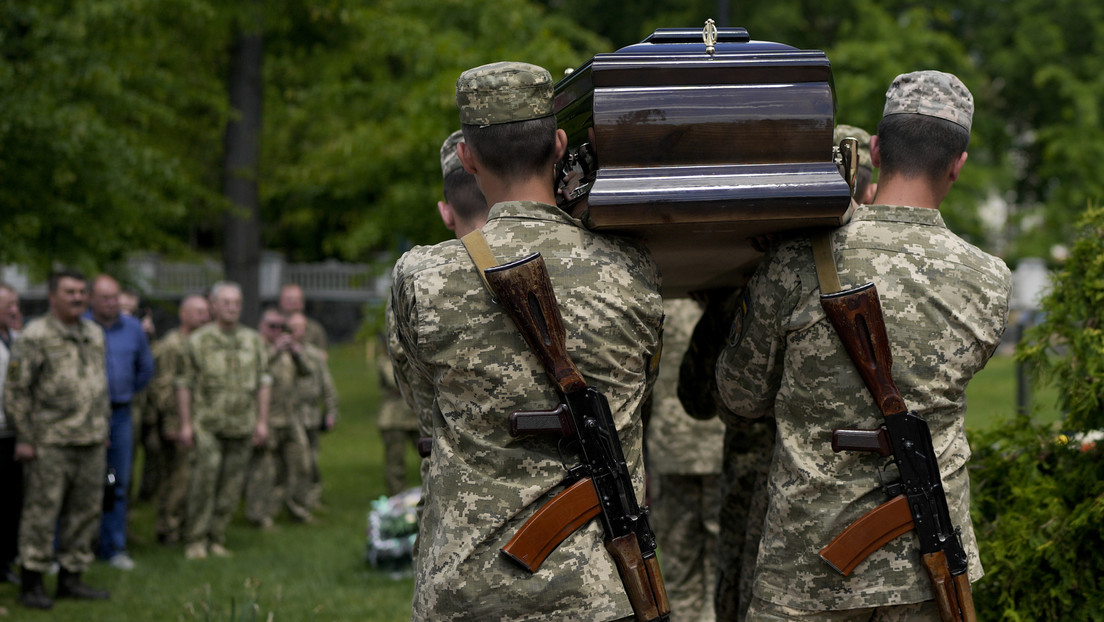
481 256
825 263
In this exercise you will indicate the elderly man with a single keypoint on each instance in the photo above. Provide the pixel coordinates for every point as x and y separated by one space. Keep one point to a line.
291 301
222 397
57 395
129 370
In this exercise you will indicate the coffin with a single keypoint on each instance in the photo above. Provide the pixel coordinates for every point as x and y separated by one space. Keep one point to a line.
696 153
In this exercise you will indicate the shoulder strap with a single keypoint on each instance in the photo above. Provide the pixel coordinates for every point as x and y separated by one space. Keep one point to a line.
481 256
825 263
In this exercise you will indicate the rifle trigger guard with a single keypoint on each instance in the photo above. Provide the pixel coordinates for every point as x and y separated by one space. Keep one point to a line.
561 446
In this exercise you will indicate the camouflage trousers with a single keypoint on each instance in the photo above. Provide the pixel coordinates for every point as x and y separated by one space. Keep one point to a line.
395 443
63 496
314 475
916 612
279 472
216 478
171 495
747 457
686 510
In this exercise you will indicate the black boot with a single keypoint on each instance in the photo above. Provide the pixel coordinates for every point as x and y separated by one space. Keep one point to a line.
32 593
70 586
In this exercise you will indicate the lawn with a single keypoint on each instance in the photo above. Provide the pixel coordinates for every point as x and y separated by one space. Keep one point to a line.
317 572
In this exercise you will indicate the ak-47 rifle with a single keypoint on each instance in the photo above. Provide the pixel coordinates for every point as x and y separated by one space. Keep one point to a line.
602 485
918 500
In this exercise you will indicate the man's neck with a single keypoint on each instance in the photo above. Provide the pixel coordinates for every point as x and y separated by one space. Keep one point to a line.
912 192
538 189
224 327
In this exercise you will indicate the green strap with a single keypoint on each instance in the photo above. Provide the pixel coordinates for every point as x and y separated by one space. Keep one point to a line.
825 263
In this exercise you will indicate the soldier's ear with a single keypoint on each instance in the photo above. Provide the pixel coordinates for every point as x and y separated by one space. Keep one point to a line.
467 158
448 216
875 152
561 145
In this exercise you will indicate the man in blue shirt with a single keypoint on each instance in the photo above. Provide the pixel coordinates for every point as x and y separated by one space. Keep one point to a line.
129 370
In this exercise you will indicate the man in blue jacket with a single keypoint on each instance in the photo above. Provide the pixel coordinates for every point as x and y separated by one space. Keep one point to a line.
129 370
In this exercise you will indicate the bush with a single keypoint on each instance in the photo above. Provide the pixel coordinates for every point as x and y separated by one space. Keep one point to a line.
1038 496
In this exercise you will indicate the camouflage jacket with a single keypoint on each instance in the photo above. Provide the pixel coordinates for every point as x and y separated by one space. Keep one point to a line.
56 389
315 393
945 304
677 442
161 393
316 334
416 390
481 484
286 371
394 414
223 370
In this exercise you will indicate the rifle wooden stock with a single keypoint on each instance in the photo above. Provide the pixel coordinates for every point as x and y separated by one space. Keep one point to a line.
552 523
425 446
856 315
952 593
525 291
868 534
647 595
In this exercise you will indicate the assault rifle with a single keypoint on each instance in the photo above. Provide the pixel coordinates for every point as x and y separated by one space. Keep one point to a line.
602 485
918 500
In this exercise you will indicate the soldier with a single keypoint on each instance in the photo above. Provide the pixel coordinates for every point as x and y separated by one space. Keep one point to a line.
57 396
168 356
316 400
222 397
397 424
279 469
684 462
482 484
945 304
291 301
11 471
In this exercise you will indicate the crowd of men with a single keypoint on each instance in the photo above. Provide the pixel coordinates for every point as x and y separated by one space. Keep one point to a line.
223 412
742 505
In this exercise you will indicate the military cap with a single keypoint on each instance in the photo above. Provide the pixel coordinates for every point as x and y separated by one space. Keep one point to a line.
930 93
504 92
450 161
859 134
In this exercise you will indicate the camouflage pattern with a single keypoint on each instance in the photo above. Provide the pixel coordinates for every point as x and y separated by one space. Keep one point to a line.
416 391
930 93
926 611
748 449
946 305
56 389
450 160
317 400
62 504
223 370
503 92
398 426
481 484
316 334
216 479
862 136
171 491
280 467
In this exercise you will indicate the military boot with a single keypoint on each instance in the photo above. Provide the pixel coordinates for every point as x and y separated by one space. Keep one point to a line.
32 593
71 586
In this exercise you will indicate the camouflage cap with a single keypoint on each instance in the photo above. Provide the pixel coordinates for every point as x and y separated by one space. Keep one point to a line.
504 92
859 134
450 161
931 93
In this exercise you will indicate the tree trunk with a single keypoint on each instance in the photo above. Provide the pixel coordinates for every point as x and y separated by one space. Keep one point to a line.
241 157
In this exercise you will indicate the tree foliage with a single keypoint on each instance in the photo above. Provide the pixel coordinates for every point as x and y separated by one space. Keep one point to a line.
104 127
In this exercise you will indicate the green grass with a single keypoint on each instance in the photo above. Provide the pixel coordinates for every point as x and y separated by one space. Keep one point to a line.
301 572
317 572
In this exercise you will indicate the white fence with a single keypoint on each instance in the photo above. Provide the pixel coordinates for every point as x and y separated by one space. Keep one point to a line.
155 278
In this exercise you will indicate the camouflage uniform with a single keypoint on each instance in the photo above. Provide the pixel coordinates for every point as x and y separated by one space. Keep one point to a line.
398 426
56 394
945 304
684 460
316 334
223 370
172 486
279 469
481 484
316 399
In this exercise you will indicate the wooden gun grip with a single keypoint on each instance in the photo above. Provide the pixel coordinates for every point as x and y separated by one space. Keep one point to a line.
552 524
952 593
634 573
857 317
851 439
425 446
868 534
542 422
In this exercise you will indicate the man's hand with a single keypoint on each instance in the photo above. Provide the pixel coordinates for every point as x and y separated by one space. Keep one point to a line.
185 438
260 434
24 452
